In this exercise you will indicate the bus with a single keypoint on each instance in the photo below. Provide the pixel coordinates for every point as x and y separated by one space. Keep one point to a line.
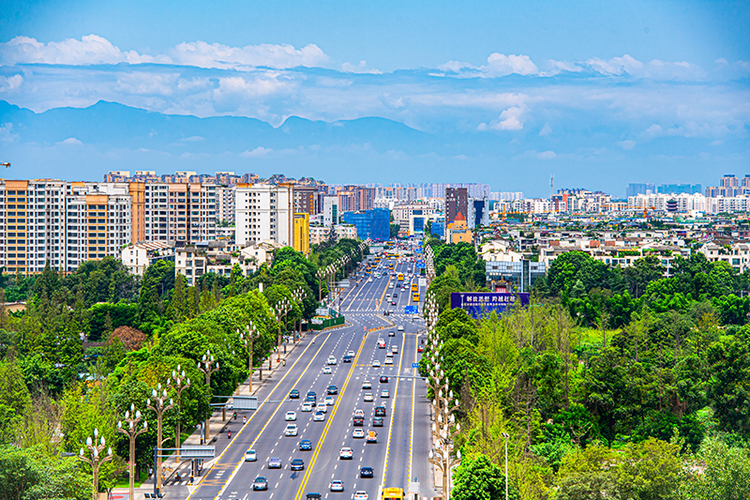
390 266
392 494
415 297
414 287
401 276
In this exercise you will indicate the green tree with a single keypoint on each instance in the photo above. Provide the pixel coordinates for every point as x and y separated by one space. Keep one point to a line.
642 272
728 390
724 473
479 479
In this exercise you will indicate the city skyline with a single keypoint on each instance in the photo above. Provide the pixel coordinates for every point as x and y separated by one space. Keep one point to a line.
597 103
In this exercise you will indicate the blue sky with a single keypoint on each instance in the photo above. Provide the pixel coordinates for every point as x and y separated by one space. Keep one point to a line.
599 93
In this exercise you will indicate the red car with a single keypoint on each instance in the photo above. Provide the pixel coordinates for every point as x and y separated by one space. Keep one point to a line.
420 348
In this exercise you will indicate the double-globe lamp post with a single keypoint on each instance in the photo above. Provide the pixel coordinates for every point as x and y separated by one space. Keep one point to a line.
281 309
132 419
159 406
247 337
208 365
96 460
180 382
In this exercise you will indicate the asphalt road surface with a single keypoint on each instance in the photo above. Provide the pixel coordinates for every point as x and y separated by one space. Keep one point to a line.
400 453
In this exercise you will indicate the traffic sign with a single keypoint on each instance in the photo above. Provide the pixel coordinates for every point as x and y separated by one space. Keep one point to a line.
411 309
415 365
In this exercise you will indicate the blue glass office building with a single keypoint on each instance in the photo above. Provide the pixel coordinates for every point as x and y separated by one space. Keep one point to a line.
373 224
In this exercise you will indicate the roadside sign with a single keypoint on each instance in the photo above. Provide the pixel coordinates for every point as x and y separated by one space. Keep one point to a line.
411 309
415 365
198 452
245 402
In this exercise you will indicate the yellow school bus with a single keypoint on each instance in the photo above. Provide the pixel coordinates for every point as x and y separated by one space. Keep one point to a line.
393 494
414 287
415 297
401 276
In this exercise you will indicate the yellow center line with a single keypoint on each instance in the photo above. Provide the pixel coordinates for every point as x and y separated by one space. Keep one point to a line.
237 467
309 468
413 402
393 414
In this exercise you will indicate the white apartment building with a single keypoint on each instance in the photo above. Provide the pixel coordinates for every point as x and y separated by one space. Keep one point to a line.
137 257
64 222
225 197
217 257
319 234
690 203
184 212
331 210
264 212
736 255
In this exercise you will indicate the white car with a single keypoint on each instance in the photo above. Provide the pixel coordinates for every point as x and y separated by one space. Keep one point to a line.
336 485
389 354
361 495
366 384
328 401
388 361
369 280
322 409
359 413
327 370
394 349
331 360
346 453
251 456
376 363
291 416
400 328
385 393
306 407
291 430
358 433
350 353
368 397
319 417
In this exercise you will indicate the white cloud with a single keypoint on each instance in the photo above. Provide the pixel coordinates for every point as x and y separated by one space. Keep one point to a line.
546 130
627 145
502 65
258 152
359 68
717 142
70 141
11 82
90 49
216 55
510 119
6 133
617 66
147 83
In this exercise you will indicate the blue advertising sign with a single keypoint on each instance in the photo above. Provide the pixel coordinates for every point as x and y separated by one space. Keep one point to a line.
481 304
411 309
419 265
415 365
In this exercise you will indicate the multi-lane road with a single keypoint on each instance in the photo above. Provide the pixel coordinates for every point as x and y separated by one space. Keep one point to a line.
400 454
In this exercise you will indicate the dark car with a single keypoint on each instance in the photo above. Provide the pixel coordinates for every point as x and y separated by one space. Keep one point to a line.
380 411
347 359
332 389
366 471
260 483
358 421
383 379
294 394
297 464
391 334
311 394
305 445
393 302
377 422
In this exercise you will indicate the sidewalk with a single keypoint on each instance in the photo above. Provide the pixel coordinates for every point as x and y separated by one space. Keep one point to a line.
218 424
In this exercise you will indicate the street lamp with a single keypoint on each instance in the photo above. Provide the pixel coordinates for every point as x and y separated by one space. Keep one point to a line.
180 382
281 309
208 365
96 459
159 407
506 436
132 418
247 337
299 296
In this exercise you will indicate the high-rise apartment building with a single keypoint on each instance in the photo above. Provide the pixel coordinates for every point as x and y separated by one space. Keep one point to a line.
306 199
479 212
636 188
180 212
225 203
302 232
63 222
331 210
456 201
264 212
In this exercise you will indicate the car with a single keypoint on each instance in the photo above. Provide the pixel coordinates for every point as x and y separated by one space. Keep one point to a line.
359 412
381 343
297 464
251 455
383 379
394 349
377 422
294 394
291 416
376 363
389 354
332 389
347 359
368 397
358 433
306 407
346 453
327 370
379 411
329 401
360 495
312 394
336 485
385 393
372 437
393 302
310 401
322 409
400 328
391 333
319 417
350 353
366 384
388 361
420 348
305 445
369 280
395 295
366 471
291 430
260 483
274 463
358 421
331 360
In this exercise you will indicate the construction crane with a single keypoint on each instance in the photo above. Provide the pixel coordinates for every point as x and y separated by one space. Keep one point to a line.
5 164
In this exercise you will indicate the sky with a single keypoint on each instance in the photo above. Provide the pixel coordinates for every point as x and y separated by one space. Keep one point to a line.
597 93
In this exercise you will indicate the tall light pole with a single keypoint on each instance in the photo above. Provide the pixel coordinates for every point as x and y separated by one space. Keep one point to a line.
247 337
132 418
96 459
208 365
299 296
281 309
159 407
506 436
180 382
